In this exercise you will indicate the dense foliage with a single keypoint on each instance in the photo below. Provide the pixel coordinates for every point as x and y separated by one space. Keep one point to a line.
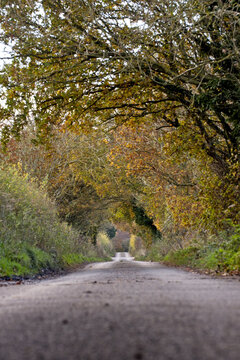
139 102
174 60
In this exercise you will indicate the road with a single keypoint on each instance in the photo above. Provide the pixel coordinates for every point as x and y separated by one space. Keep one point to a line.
121 310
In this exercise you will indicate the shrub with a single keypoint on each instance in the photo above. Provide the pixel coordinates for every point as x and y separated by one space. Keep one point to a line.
187 256
104 244
218 257
31 235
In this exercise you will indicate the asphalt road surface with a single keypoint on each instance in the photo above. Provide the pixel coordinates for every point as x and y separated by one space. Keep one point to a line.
122 310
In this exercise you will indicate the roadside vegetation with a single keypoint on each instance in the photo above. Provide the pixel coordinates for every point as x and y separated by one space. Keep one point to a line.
219 254
33 239
216 256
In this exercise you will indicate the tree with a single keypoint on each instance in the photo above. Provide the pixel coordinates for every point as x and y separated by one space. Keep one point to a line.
164 75
60 167
86 62
89 189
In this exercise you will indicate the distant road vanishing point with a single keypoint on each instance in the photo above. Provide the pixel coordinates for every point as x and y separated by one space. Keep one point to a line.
121 310
122 256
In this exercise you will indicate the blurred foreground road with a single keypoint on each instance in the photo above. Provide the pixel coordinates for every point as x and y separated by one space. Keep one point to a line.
122 310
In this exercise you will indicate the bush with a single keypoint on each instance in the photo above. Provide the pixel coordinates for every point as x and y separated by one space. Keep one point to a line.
152 254
105 245
222 257
31 235
187 256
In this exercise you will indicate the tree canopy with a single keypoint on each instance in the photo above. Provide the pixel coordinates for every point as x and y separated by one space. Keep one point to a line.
85 62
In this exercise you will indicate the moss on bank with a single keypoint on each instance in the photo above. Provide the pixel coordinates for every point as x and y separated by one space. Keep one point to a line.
28 261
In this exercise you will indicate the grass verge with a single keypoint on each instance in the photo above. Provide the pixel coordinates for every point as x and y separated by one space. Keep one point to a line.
214 257
73 259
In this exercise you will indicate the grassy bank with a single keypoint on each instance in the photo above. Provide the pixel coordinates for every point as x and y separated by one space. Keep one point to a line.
217 257
32 238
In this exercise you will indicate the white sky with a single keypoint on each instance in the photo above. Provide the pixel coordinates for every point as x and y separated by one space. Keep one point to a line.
3 53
